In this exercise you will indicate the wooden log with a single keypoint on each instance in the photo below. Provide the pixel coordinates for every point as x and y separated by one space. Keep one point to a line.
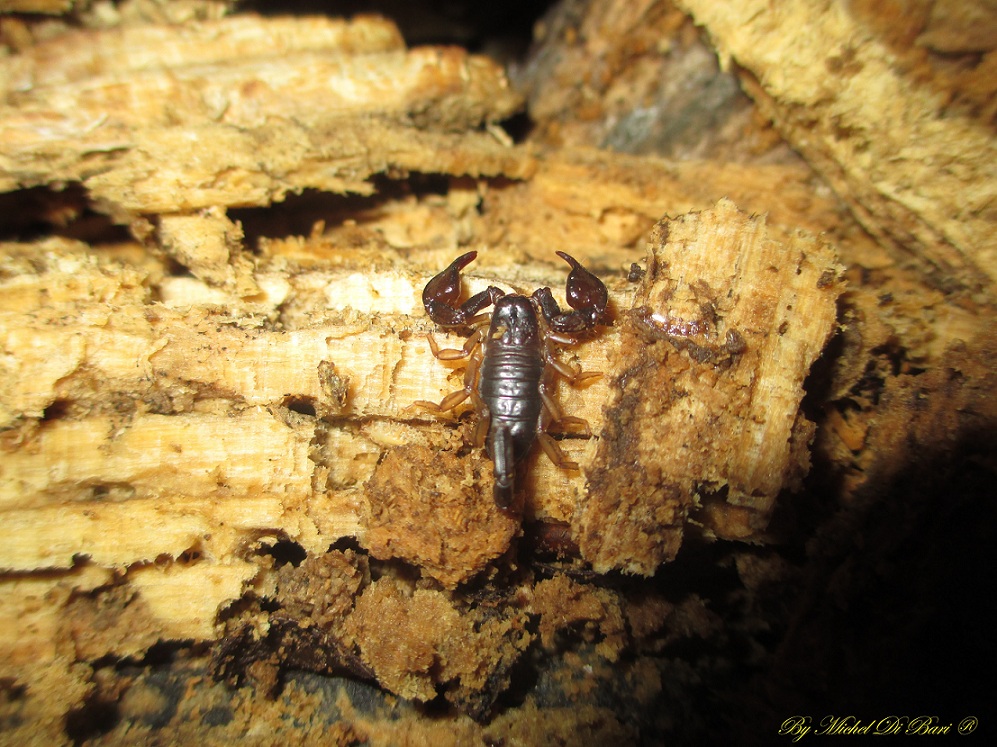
164 431
158 111
920 175
706 387
174 427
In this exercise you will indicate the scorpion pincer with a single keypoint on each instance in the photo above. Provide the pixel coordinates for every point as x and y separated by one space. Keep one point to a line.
509 361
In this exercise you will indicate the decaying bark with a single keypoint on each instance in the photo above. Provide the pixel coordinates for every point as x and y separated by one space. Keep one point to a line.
54 7
207 430
140 117
919 173
154 449
706 387
124 403
636 77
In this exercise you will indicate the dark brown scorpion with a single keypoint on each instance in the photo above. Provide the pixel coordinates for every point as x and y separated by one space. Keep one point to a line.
507 371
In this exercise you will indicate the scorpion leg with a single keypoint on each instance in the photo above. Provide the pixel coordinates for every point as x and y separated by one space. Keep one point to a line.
473 352
574 375
453 354
554 452
447 403
557 414
441 295
481 429
585 294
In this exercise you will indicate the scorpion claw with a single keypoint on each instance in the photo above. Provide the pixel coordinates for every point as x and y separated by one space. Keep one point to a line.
442 293
585 294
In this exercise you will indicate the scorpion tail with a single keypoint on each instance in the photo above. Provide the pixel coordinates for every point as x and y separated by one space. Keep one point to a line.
505 467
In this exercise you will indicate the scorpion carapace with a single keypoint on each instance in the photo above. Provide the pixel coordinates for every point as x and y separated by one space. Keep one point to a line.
509 363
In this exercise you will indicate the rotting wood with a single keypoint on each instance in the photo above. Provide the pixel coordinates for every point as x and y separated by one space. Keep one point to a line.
921 177
243 112
151 139
706 387
162 431
51 7
179 422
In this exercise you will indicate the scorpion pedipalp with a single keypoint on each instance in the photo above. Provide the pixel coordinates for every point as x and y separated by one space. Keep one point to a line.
441 295
585 294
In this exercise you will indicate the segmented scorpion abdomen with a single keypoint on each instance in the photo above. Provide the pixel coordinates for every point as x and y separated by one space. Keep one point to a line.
510 377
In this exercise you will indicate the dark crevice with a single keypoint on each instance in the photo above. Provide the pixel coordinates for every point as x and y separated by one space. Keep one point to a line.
301 405
298 215
285 552
39 212
97 716
344 544
501 30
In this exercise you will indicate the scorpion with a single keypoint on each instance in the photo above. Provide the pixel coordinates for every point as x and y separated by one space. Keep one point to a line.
507 375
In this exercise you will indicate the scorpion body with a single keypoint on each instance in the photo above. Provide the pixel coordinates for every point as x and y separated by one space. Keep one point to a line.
510 361
509 385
